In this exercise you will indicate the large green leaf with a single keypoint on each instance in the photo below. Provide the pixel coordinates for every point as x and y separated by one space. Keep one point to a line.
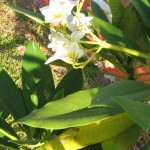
33 15
143 7
10 97
113 34
73 119
139 112
145 33
130 22
72 82
130 89
124 140
4 109
117 10
37 79
79 137
68 112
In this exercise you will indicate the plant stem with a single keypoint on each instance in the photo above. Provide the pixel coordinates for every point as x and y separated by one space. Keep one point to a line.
88 42
8 135
126 50
104 44
82 65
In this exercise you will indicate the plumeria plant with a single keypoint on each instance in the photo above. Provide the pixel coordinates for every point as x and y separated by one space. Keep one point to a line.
109 37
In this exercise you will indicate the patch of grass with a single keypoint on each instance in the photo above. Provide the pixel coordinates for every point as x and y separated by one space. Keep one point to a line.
8 42
11 66
15 32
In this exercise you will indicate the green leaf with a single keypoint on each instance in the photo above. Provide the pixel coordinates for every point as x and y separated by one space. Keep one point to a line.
79 137
30 143
117 10
5 143
4 109
72 82
97 11
146 147
6 130
124 140
112 34
145 33
130 22
37 79
142 7
73 119
10 97
139 112
60 113
58 95
33 15
128 88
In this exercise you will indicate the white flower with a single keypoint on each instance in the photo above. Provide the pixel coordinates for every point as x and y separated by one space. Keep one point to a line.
76 36
67 50
57 39
74 24
105 7
57 11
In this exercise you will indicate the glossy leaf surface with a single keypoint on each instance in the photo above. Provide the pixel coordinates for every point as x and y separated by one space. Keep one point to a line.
79 137
10 97
65 112
72 82
130 89
37 79
139 112
113 34
142 7
124 140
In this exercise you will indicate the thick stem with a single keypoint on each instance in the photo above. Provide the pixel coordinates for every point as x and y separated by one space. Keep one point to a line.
125 50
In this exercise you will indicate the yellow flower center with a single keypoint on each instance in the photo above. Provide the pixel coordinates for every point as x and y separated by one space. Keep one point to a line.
71 55
59 15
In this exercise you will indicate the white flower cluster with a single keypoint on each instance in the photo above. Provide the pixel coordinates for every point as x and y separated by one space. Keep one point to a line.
65 49
60 16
